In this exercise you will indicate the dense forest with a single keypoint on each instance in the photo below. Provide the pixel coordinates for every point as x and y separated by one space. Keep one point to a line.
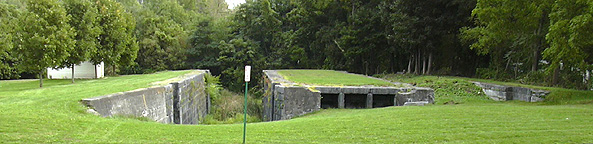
542 42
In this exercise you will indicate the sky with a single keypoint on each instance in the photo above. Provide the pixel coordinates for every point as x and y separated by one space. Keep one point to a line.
233 3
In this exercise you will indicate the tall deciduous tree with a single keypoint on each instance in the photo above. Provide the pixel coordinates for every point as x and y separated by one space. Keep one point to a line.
85 23
570 37
117 43
46 38
159 44
8 33
510 31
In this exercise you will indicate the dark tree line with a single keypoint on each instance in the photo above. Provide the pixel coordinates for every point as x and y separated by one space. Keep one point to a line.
367 37
538 42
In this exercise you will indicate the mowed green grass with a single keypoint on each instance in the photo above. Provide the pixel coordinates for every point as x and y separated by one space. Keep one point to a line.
53 114
330 78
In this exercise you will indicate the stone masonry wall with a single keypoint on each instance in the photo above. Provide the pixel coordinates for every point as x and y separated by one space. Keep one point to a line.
415 95
146 102
505 93
294 101
268 99
283 99
181 102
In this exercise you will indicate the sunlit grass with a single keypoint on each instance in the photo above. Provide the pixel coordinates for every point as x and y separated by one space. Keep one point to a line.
52 114
330 78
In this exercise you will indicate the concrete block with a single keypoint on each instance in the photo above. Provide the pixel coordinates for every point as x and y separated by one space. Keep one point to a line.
331 90
383 90
417 103
355 90
505 93
418 94
145 102
181 102
341 100
299 101
370 100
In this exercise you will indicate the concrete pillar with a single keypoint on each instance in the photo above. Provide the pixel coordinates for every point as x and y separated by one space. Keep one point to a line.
395 100
176 108
341 100
370 100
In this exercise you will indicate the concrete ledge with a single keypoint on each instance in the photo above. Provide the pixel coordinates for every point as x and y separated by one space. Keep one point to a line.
183 101
419 103
145 102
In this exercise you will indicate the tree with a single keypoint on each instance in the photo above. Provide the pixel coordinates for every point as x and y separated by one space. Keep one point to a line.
510 31
116 42
46 37
205 48
160 48
570 37
8 28
84 21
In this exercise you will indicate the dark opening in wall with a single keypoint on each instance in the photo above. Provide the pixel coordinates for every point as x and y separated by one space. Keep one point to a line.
329 101
383 100
355 101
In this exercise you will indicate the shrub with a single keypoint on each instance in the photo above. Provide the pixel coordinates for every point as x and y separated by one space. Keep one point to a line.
227 107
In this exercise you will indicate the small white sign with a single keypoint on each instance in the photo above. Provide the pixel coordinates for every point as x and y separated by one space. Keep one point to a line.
247 73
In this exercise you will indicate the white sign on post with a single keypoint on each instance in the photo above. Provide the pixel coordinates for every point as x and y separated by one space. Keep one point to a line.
247 73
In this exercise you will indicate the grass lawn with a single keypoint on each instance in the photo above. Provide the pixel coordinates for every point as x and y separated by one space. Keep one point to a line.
53 114
330 78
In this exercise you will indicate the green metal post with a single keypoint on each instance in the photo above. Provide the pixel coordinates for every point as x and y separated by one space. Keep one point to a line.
245 113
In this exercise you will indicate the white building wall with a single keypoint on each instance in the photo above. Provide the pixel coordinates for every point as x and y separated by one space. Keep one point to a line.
85 70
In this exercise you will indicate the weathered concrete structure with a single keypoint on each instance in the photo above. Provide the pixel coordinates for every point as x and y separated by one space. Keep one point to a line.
182 101
505 93
284 99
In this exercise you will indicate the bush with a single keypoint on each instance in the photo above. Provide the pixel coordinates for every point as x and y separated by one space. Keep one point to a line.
227 107
213 87
535 78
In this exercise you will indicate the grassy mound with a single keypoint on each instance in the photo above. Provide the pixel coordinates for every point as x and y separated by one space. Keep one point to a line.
462 90
330 78
53 114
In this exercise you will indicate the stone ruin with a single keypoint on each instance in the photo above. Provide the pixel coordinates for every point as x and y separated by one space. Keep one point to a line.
284 99
180 100
506 93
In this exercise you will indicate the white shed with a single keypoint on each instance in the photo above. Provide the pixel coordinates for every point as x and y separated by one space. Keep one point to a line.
85 70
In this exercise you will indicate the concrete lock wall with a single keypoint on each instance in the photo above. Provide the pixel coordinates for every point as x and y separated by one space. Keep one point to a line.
284 100
505 93
180 102
294 101
145 102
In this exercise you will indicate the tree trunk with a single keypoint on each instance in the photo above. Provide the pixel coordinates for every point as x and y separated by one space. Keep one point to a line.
113 73
410 64
41 79
417 65
429 63
392 63
366 68
423 63
72 73
541 40
535 60
556 76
